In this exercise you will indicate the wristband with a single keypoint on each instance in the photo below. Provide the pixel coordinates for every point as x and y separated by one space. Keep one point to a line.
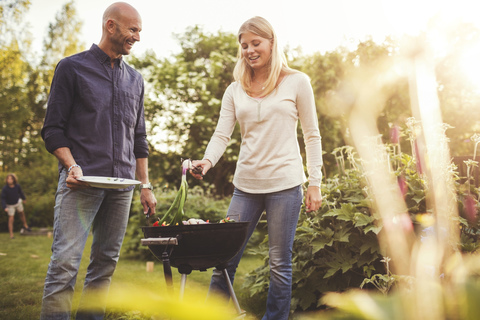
73 166
146 186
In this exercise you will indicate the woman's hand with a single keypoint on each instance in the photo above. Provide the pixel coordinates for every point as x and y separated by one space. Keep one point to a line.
313 199
204 164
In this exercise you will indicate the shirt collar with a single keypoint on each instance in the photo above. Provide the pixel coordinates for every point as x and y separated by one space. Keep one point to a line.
102 57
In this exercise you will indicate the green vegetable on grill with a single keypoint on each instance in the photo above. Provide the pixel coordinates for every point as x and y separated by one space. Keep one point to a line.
176 209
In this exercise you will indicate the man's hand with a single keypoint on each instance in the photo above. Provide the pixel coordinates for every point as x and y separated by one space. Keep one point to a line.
73 175
64 155
148 200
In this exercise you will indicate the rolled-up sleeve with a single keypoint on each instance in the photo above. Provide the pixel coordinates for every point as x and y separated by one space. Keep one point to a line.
140 148
59 107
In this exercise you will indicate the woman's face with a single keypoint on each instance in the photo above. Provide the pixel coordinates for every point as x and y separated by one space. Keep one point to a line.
10 180
256 50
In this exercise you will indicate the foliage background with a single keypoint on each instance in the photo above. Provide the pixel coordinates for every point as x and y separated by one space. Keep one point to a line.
184 93
182 103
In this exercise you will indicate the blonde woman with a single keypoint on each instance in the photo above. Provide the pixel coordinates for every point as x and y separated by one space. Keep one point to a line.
267 99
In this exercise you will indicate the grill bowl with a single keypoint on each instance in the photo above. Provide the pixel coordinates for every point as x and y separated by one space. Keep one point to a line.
200 246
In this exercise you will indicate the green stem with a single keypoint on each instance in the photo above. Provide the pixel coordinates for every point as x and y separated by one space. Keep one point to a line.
172 207
179 216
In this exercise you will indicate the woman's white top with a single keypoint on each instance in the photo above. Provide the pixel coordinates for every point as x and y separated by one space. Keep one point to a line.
269 159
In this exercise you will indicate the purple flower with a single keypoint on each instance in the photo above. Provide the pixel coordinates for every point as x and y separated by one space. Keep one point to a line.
470 208
395 134
402 184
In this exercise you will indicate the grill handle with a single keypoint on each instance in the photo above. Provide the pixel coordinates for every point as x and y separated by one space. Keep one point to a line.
160 241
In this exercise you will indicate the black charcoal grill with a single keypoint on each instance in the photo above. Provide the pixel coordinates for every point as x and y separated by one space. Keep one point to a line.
196 247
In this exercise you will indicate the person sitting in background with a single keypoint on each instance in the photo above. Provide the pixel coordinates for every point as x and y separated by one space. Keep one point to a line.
12 200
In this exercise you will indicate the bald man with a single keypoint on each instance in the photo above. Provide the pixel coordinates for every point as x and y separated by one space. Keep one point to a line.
94 126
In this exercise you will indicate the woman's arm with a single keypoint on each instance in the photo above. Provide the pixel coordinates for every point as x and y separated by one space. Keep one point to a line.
311 135
220 138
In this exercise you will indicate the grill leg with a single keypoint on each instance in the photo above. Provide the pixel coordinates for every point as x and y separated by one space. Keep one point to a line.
167 271
230 290
183 281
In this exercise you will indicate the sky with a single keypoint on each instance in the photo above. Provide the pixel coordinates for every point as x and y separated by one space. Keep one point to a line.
313 25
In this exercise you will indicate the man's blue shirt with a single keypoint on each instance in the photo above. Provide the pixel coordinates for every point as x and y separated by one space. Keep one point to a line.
97 111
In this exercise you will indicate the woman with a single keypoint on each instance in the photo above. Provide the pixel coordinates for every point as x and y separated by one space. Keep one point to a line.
12 200
267 99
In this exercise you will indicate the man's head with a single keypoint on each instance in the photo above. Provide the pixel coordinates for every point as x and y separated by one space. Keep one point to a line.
121 29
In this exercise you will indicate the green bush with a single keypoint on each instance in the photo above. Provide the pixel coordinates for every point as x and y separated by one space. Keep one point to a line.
38 177
38 212
17 224
334 248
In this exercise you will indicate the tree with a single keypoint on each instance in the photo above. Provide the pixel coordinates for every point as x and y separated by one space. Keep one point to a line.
11 25
13 79
186 98
458 86
61 41
24 88
335 74
186 92
326 72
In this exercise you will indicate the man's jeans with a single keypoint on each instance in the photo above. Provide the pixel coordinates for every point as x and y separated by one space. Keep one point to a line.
106 213
282 209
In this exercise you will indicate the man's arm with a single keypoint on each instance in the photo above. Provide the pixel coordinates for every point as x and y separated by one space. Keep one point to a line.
64 155
146 195
60 106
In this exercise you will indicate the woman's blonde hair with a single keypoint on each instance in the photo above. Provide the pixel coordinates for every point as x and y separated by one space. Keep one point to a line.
243 73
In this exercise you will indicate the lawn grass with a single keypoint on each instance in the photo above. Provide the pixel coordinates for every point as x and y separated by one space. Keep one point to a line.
23 266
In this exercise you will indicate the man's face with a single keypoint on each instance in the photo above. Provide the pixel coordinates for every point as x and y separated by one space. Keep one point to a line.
127 32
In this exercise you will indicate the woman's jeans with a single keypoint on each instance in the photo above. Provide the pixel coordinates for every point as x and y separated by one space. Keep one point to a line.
105 212
282 209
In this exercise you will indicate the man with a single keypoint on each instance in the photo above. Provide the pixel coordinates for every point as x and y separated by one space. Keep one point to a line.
95 126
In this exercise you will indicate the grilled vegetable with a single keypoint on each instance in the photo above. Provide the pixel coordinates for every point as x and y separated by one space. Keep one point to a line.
176 209
175 214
